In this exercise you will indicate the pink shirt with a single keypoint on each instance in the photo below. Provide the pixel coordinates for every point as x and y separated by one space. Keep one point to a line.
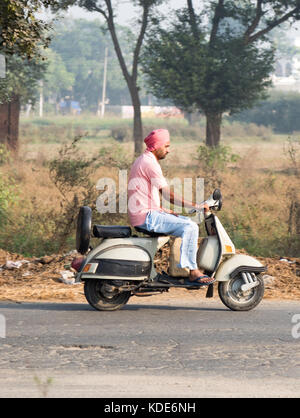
145 180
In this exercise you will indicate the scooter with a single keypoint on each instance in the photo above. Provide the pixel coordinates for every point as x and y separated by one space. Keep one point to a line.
122 264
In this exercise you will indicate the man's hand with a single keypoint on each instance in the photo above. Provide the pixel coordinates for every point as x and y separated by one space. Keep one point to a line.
202 206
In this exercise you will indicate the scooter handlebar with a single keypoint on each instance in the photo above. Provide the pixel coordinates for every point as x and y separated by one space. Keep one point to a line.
211 202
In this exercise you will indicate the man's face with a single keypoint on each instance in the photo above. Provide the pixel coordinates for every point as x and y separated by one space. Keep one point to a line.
162 152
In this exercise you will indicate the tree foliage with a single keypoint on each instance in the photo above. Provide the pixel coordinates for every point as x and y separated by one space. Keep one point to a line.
20 30
77 50
22 78
184 68
57 79
281 111
22 36
220 66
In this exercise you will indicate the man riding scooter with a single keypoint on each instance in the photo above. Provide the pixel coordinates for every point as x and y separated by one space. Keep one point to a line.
146 185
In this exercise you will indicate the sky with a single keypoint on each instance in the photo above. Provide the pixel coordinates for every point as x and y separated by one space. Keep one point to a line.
126 11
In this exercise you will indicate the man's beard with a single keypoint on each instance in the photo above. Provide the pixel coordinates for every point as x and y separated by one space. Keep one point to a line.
163 157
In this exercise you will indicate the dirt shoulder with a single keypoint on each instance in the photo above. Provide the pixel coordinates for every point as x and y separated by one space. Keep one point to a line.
39 279
64 384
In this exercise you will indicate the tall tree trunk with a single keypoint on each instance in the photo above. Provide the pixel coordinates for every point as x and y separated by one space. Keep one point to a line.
131 79
213 129
9 123
137 124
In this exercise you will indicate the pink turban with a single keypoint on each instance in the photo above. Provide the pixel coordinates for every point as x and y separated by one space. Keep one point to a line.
157 139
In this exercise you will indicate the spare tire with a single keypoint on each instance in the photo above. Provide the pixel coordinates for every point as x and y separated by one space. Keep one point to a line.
83 232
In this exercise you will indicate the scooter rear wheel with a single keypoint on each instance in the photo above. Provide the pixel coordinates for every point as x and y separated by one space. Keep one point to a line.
100 298
232 296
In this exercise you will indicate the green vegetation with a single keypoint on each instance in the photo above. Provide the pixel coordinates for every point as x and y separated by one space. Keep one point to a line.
76 64
281 112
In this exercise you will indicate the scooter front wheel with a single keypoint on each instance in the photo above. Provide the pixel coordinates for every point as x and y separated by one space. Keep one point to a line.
101 296
234 298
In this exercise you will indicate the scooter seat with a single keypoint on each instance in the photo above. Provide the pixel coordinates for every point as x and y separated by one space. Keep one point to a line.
150 233
111 231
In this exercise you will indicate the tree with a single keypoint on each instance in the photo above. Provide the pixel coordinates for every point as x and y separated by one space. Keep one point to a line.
20 30
223 66
20 86
57 79
80 45
21 36
106 9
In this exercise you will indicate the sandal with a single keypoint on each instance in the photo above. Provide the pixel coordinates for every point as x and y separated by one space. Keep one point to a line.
197 281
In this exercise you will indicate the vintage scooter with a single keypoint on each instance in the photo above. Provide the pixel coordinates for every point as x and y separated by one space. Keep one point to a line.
122 264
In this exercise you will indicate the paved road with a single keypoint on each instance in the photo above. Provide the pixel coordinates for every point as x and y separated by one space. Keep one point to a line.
175 348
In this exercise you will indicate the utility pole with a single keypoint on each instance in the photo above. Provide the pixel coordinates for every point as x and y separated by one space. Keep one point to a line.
102 103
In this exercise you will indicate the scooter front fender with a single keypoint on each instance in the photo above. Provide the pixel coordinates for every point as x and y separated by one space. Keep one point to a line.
236 264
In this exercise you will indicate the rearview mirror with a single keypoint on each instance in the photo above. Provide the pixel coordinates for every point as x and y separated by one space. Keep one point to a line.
217 194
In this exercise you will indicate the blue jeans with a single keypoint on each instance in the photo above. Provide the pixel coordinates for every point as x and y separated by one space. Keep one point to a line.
178 226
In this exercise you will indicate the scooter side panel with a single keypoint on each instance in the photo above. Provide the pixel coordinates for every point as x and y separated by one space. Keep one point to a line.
117 247
138 249
229 265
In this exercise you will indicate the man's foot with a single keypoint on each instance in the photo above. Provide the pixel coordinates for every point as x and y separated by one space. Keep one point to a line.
199 278
201 281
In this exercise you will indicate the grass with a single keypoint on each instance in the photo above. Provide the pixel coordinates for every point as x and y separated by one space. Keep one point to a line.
258 188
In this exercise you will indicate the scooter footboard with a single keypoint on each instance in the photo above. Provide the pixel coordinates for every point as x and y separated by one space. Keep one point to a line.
239 263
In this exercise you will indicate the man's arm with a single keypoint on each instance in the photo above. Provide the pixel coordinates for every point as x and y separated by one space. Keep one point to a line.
168 194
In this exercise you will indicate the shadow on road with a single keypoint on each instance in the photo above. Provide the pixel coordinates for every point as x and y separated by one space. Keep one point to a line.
50 306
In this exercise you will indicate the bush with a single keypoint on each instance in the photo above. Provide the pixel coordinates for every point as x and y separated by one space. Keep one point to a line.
4 154
281 112
7 196
122 133
246 130
30 231
216 158
71 173
115 156
213 162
